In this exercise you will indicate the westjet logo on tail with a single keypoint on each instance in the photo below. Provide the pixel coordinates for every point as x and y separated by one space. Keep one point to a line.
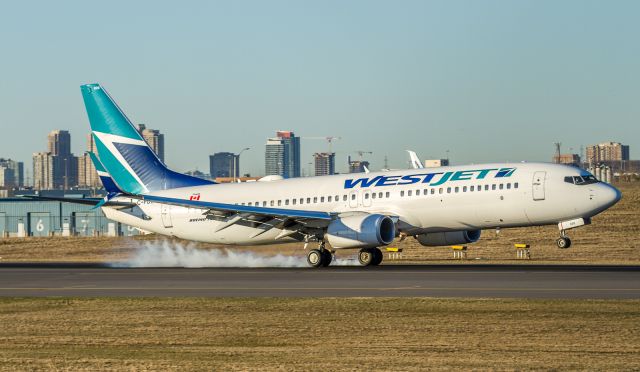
430 179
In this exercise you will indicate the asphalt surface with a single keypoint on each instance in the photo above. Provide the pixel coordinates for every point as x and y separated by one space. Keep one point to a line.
517 281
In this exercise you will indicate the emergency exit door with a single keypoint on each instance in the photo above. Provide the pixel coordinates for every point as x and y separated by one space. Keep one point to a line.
538 185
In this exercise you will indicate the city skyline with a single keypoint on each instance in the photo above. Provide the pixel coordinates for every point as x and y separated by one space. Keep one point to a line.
488 81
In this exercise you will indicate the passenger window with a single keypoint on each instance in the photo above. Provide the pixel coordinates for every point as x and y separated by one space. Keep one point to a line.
409 193
508 186
425 192
464 188
366 195
448 190
457 189
440 191
315 199
417 192
471 188
294 201
486 187
373 195
337 198
493 187
301 200
250 204
380 195
433 191
322 199
515 185
402 193
271 203
388 194
353 196
308 200
501 186
279 203
344 198
286 202
329 198
264 203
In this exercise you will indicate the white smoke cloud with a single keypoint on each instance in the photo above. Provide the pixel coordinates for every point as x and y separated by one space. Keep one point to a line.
173 254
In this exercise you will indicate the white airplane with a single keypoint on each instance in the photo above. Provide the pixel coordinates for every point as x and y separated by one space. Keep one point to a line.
437 206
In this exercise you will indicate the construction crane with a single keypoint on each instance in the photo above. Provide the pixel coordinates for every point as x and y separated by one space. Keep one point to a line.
361 153
329 140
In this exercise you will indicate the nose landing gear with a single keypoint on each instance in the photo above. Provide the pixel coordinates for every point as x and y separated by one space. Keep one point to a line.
563 241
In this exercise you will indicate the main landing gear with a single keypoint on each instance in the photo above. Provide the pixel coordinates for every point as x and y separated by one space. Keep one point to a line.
370 256
320 257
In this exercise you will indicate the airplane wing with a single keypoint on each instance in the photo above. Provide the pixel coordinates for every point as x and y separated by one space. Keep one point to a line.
85 201
290 221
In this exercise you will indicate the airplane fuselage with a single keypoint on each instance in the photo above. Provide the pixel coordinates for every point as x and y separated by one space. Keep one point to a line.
470 197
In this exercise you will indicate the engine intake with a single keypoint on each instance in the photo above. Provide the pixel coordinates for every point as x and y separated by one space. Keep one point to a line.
448 238
361 231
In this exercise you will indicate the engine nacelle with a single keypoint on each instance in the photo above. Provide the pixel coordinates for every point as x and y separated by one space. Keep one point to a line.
361 231
448 238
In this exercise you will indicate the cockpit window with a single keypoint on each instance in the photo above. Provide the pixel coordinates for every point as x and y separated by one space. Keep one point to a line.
581 180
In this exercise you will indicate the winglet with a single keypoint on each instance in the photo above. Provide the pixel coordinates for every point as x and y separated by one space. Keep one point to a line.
415 161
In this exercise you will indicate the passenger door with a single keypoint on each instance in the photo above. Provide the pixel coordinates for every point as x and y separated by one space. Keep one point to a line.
165 213
538 185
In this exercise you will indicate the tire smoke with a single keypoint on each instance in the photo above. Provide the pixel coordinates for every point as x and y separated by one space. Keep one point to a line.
173 254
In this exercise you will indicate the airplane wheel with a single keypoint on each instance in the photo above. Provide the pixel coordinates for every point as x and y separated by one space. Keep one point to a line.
327 257
315 258
366 257
563 243
377 256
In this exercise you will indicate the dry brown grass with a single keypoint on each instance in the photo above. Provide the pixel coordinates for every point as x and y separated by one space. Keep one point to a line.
318 334
614 237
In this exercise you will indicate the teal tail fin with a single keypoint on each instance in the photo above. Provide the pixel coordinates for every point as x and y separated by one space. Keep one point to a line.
125 156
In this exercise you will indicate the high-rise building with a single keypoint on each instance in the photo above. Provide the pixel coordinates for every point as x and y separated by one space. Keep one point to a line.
17 169
154 139
7 178
608 151
59 143
62 165
325 163
282 155
224 164
43 171
358 166
87 174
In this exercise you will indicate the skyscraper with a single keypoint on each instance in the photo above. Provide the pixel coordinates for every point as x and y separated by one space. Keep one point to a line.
325 163
17 169
282 155
87 174
154 139
59 143
65 165
222 164
608 151
43 171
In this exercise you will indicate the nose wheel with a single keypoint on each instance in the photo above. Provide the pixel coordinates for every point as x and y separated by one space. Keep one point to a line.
563 242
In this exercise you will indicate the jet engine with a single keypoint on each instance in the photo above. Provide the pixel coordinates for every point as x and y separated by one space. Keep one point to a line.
448 238
361 231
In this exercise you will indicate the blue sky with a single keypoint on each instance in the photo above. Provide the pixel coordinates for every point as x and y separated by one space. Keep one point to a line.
486 80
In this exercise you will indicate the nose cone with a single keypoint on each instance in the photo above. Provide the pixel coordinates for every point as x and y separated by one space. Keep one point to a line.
609 196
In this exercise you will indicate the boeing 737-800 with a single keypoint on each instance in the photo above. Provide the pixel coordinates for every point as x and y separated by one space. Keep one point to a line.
437 206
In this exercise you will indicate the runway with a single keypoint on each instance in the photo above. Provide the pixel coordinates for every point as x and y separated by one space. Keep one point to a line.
517 281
